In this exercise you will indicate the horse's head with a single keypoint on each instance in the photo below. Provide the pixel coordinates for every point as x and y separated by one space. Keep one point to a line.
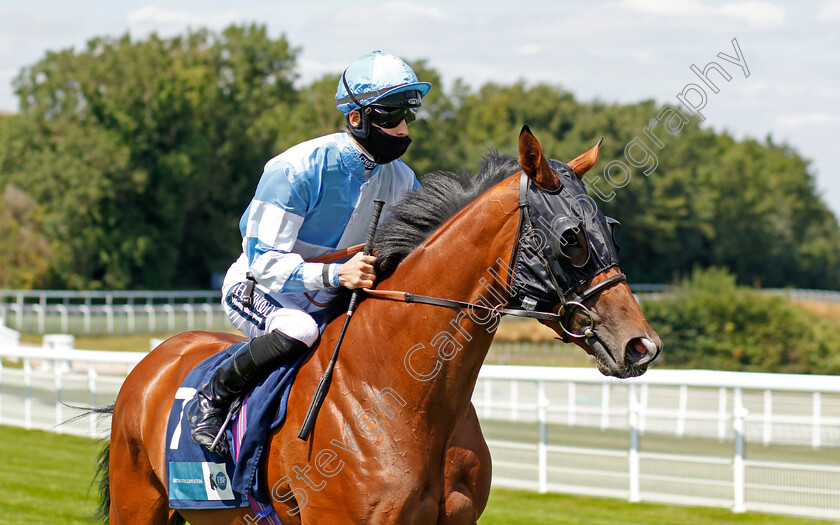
567 260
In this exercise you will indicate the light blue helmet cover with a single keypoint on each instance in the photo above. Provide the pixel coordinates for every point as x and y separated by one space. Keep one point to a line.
373 77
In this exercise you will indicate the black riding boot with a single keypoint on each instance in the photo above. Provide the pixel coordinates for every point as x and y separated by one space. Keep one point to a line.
246 366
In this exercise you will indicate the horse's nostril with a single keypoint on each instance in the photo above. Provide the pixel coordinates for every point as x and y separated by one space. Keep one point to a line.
640 351
639 346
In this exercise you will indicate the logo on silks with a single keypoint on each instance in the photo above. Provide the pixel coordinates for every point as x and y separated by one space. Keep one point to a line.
199 481
220 480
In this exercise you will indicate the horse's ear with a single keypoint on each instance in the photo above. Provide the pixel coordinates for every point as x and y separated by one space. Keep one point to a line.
533 163
584 161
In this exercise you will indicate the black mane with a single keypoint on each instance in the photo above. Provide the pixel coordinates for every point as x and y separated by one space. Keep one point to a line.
424 210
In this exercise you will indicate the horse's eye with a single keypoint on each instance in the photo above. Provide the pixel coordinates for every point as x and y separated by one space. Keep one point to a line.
570 246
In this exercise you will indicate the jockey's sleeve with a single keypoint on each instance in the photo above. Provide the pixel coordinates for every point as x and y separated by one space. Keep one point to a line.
270 228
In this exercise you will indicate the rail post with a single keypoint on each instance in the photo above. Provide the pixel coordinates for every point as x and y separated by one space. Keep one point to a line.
722 414
129 317
150 314
63 317
170 316
57 370
605 405
27 400
816 428
92 388
109 313
514 400
633 412
208 315
767 434
190 310
739 414
571 404
682 409
19 313
542 447
85 308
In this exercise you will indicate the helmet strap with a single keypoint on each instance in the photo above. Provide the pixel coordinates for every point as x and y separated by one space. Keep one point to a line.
364 111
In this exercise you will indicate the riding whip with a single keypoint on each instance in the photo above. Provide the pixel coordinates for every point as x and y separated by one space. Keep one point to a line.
324 384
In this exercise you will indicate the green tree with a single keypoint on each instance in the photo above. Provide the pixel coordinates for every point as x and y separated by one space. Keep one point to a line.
710 322
76 177
138 157
24 251
184 109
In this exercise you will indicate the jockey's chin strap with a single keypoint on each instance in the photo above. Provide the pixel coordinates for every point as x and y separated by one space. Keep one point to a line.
567 306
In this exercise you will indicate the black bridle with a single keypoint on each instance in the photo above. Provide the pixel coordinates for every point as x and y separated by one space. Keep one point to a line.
563 317
568 305
576 300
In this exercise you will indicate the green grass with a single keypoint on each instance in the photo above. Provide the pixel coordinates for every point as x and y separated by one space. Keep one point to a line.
514 507
46 477
47 480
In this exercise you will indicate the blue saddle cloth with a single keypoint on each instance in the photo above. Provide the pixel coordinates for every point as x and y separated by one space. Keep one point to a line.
199 479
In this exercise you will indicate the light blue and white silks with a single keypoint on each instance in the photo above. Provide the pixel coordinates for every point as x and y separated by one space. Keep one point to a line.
315 198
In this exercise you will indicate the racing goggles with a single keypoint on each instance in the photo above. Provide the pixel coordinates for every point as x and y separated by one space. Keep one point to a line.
390 118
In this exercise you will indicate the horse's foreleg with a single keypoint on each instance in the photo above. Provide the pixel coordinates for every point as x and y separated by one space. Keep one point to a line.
467 473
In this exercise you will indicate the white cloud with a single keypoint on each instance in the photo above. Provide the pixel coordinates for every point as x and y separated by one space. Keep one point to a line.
411 10
664 7
799 120
752 88
755 13
311 70
529 49
647 58
146 20
830 11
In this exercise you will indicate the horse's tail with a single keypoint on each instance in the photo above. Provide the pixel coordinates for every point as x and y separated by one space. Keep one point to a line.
100 477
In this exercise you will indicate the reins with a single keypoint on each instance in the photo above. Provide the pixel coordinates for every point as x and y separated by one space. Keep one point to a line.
562 316
407 297
568 306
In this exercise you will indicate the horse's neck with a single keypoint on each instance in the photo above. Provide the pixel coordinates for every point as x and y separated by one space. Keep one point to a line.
465 259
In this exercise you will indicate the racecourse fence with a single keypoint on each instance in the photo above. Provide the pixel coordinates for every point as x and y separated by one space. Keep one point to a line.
122 312
746 441
112 312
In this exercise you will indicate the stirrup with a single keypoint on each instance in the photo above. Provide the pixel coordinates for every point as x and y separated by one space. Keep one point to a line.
218 445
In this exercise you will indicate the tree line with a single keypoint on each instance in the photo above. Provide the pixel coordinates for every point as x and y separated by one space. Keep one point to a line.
130 162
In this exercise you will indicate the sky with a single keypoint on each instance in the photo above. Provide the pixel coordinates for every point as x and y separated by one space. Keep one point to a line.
621 51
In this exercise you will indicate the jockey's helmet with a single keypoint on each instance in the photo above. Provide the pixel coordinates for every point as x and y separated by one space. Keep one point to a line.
379 79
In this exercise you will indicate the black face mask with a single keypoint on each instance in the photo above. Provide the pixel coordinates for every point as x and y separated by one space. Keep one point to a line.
383 147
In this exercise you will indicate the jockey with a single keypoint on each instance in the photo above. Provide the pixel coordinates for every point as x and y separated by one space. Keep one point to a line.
315 198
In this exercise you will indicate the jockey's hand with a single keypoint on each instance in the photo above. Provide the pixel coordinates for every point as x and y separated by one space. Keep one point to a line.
358 272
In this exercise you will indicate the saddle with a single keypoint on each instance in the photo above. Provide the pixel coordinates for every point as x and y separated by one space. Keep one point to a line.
199 479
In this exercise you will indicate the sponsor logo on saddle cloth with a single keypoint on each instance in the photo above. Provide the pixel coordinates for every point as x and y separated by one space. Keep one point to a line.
199 480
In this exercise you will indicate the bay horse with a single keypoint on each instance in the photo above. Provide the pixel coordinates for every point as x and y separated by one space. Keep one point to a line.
398 440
